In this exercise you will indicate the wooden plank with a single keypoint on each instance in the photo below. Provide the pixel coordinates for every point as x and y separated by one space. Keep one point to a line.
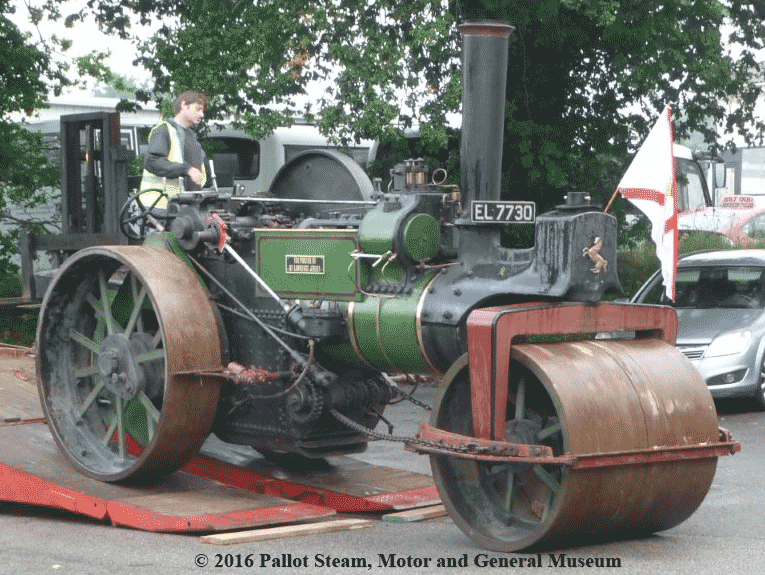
286 531
420 514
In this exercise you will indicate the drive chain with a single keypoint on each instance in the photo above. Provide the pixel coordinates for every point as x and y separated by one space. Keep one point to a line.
413 440
412 399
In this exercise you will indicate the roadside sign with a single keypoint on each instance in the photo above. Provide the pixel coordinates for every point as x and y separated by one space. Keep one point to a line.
738 202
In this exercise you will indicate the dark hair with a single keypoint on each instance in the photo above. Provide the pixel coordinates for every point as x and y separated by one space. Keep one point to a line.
190 97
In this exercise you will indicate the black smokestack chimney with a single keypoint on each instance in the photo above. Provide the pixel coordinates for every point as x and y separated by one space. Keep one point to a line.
484 77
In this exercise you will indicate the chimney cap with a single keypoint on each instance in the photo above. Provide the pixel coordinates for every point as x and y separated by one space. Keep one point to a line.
493 28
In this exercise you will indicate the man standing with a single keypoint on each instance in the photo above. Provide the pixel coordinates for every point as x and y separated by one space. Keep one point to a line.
175 152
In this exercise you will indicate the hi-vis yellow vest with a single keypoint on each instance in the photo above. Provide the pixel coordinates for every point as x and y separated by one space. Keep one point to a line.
172 187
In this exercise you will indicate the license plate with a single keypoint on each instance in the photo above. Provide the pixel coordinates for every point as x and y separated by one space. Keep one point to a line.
508 212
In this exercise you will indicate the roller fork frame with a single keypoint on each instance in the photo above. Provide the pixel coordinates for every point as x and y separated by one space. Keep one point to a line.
490 333
490 338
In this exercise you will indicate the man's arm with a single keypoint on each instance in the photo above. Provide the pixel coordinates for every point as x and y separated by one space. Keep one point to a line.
155 158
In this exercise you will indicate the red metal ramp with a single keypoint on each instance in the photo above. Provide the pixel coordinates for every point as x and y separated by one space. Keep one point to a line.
342 483
34 472
232 490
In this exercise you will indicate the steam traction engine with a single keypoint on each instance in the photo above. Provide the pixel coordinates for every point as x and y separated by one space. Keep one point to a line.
273 322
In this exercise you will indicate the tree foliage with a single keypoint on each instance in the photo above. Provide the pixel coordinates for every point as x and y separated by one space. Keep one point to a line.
26 76
33 66
587 78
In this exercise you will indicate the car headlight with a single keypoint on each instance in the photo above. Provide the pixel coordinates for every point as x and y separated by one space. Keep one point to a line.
729 343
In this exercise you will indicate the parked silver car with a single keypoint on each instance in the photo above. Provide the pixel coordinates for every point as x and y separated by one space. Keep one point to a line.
720 306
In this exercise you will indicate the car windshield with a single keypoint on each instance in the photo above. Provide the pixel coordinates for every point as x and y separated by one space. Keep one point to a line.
709 287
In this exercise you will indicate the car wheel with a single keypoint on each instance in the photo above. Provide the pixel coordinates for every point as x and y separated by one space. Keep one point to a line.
759 394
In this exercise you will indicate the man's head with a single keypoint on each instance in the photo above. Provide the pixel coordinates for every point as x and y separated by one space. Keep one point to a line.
190 108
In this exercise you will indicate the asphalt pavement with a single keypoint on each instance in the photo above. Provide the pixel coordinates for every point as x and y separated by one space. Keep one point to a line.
725 535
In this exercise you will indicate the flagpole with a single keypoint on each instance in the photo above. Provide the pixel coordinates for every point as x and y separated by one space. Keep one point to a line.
611 201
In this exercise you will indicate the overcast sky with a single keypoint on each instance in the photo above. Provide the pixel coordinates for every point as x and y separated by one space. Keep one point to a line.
85 36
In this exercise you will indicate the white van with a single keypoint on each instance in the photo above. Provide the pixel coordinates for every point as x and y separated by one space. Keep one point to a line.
746 173
693 190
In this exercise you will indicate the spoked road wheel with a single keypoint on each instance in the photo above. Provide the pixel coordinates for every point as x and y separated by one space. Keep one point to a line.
580 398
121 332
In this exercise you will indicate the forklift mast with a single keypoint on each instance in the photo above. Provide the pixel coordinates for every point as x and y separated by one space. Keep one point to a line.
94 186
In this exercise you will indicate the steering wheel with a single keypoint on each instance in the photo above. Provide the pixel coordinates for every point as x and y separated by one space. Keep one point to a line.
135 215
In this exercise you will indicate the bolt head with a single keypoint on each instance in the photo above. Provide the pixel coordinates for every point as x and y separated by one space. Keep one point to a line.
108 362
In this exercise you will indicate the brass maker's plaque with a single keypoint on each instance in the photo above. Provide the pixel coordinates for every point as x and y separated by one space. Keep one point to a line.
305 264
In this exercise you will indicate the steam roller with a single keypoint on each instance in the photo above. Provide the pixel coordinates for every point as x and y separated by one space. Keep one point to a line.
275 321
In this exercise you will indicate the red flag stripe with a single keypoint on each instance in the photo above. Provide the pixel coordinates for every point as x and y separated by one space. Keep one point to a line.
643 194
671 225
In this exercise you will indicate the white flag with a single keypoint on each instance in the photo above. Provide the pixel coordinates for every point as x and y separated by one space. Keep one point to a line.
651 185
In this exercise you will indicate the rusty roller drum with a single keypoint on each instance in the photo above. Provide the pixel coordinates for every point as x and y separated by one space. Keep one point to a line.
581 398
123 335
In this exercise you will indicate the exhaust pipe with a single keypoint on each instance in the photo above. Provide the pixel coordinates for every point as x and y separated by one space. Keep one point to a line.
484 78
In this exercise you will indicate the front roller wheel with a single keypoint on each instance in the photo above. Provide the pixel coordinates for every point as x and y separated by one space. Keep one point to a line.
580 398
119 331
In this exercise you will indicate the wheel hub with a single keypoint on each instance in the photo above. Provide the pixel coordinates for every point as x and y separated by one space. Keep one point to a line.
119 371
524 431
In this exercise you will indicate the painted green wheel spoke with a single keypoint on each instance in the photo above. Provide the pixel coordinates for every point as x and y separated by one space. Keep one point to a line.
520 399
120 428
86 371
547 479
156 340
152 411
548 504
510 491
548 432
90 399
100 332
84 341
137 304
134 286
109 432
152 415
105 305
150 355
95 304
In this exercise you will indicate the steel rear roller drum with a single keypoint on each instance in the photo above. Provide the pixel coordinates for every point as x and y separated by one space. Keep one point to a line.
581 398
119 331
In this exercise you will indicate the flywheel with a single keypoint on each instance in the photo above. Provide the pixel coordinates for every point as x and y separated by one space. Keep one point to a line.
324 175
123 335
580 398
